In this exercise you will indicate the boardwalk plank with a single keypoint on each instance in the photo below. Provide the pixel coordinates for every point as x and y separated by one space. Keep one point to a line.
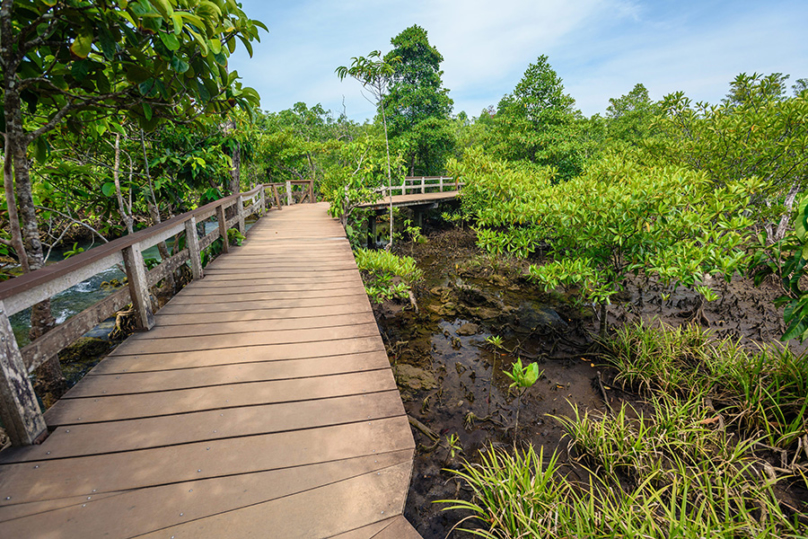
222 397
148 510
166 465
313 514
262 403
137 345
261 314
119 436
121 363
238 294
144 382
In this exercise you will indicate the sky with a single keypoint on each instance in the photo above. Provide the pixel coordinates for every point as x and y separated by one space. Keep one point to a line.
600 48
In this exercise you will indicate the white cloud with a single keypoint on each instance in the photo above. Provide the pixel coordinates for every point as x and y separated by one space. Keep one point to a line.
601 48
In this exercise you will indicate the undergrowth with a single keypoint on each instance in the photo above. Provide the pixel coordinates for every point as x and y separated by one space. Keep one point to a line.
721 436
386 275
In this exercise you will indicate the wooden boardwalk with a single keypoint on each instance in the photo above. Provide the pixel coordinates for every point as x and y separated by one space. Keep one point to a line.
415 199
262 404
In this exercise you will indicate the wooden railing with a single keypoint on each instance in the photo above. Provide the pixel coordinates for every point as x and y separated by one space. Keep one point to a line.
423 185
19 409
307 193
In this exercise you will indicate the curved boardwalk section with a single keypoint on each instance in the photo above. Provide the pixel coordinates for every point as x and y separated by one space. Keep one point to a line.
262 404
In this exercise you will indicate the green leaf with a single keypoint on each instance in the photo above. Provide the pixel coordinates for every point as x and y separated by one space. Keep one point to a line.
108 189
147 111
178 64
40 149
170 41
83 43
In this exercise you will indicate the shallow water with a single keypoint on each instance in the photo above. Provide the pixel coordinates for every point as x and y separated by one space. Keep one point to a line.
85 294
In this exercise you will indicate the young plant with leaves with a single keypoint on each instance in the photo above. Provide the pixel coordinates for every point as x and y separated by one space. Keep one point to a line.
522 377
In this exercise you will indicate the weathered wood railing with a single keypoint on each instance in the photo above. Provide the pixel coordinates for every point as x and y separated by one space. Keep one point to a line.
19 409
308 193
423 185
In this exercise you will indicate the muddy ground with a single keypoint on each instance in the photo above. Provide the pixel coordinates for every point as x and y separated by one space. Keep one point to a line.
451 378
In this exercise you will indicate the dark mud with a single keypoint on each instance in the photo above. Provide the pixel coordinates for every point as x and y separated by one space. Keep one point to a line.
451 375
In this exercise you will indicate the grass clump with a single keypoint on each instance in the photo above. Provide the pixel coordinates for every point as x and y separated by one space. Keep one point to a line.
712 451
386 275
761 393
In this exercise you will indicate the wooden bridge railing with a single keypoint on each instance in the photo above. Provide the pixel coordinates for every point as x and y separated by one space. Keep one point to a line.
288 185
422 185
19 409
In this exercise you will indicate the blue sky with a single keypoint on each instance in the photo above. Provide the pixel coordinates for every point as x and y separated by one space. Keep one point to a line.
600 48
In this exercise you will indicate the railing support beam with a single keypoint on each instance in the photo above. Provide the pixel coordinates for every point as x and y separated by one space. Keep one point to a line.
138 286
242 227
19 408
289 199
222 228
192 241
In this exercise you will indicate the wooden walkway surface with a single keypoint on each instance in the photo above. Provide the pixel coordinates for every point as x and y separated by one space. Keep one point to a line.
417 199
261 405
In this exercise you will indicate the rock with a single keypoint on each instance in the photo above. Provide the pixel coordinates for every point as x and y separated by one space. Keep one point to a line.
487 313
415 378
499 280
83 349
468 329
532 316
445 309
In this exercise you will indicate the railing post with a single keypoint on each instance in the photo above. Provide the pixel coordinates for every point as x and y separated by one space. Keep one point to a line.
423 189
276 196
222 228
289 199
242 227
192 242
138 286
19 408
262 200
441 184
311 192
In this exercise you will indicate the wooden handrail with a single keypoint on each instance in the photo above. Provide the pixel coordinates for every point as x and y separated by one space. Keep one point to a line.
108 251
19 409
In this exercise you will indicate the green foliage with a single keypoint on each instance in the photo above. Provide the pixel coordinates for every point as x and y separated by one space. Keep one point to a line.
418 105
762 394
523 377
74 251
757 131
153 60
787 259
667 474
381 270
453 443
538 123
234 237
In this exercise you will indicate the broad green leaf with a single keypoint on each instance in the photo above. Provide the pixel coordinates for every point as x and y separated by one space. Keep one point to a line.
82 44
108 189
170 41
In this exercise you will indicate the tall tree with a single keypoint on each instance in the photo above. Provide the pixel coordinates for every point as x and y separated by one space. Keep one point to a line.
538 122
375 73
74 62
419 107
630 117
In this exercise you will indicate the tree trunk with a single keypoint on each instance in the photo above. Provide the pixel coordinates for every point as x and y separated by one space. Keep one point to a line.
235 171
604 321
116 173
11 202
782 227
154 211
42 321
389 176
